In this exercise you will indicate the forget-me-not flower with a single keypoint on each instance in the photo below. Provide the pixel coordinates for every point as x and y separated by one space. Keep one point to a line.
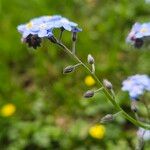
138 34
42 27
143 133
47 23
136 85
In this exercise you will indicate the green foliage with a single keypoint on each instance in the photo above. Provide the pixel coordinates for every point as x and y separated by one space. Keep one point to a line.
50 110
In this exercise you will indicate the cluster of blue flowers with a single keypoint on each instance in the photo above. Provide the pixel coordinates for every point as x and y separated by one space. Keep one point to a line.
136 85
139 34
42 27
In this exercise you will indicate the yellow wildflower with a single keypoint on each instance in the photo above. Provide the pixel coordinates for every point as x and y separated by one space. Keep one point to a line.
97 131
8 110
89 81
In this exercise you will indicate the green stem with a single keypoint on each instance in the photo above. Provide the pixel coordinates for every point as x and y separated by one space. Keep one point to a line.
74 47
77 65
100 89
147 108
105 91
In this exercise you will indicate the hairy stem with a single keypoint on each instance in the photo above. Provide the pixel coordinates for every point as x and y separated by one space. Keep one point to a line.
105 91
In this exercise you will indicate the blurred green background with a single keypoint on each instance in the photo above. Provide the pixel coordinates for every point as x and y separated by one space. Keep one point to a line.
49 109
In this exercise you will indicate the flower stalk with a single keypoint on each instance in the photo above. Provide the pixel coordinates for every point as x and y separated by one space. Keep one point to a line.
105 91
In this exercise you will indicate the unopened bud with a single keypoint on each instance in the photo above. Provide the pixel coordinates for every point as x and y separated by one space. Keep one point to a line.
90 59
74 36
138 43
134 106
53 39
141 137
107 84
107 118
140 144
89 94
68 69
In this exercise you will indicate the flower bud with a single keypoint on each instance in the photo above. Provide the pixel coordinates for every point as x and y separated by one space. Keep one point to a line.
32 41
107 84
89 94
141 138
90 59
107 118
74 36
68 69
134 106
138 43
53 39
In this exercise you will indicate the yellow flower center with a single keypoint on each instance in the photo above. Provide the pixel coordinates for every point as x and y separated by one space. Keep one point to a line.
143 30
89 81
8 110
97 131
29 25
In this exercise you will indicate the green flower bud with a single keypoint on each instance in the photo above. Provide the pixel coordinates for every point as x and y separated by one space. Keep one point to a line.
107 84
90 59
89 94
134 106
69 69
107 118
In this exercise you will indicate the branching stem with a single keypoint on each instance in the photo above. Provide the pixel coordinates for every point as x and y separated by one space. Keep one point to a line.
105 91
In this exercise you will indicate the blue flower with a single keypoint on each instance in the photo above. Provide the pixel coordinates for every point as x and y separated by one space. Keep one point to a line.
144 134
42 27
44 19
32 32
136 85
138 34
64 23
131 36
144 31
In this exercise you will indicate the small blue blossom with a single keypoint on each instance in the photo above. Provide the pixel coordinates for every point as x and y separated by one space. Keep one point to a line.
144 134
138 34
42 27
45 19
64 23
136 85
144 31
131 36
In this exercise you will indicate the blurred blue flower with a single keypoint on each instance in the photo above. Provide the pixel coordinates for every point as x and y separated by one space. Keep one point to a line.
147 1
131 36
144 134
144 31
138 34
136 85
